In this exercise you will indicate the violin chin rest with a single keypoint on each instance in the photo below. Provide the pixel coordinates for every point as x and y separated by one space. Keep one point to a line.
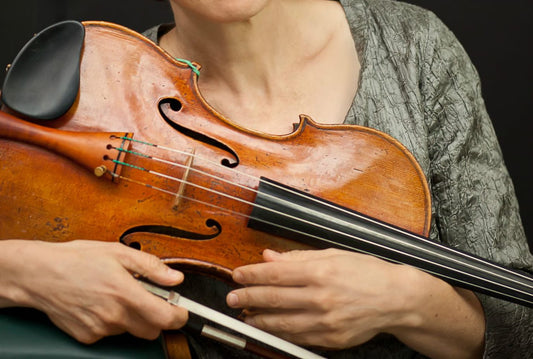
43 80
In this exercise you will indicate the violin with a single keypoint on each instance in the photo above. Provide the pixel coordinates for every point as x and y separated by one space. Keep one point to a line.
133 153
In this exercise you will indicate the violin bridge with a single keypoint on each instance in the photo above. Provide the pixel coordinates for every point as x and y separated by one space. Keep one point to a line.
183 182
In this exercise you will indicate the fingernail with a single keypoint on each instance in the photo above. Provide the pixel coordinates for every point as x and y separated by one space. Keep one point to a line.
174 274
233 300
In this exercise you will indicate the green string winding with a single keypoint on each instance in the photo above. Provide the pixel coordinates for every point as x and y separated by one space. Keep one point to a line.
191 65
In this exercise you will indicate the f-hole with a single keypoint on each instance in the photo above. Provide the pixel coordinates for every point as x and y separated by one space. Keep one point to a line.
211 224
172 104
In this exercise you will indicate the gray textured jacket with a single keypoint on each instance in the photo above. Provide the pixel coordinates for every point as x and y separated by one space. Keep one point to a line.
418 85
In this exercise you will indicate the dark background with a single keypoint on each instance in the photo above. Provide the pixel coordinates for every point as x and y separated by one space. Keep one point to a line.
497 35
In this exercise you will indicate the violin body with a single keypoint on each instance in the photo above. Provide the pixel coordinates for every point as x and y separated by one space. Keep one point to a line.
189 216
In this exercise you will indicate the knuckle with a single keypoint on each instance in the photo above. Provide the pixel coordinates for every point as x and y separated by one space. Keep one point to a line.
333 340
274 299
90 336
248 275
274 276
245 298
115 247
102 330
286 325
167 321
329 323
176 320
320 302
344 340
323 274
152 333
87 339
115 317
152 263
90 329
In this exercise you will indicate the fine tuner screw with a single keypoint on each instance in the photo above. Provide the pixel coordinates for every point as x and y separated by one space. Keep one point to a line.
100 171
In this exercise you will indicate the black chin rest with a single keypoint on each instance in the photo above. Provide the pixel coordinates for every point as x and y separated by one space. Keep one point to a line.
43 80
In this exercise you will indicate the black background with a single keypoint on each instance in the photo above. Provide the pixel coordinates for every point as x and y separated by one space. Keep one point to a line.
497 35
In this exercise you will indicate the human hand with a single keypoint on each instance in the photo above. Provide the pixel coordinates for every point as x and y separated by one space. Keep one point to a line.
87 288
326 298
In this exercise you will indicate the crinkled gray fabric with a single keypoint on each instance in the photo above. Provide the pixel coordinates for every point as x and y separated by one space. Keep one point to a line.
418 85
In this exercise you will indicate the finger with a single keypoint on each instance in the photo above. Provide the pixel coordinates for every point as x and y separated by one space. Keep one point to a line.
282 298
311 329
149 266
292 326
149 314
149 325
86 325
273 273
325 340
286 272
156 310
299 255
146 313
76 329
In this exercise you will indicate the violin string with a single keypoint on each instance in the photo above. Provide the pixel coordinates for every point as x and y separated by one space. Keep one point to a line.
177 164
284 214
356 215
323 239
345 211
189 154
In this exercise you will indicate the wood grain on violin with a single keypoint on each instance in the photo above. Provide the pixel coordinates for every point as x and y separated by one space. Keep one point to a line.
196 190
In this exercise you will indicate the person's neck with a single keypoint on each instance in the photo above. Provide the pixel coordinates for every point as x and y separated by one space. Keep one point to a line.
254 53
264 72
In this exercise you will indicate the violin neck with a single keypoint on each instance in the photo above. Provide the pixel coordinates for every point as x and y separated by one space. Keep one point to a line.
290 213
